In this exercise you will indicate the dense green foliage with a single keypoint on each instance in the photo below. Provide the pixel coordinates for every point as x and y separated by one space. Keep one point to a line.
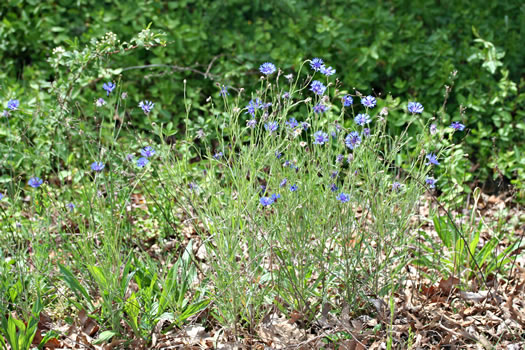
408 48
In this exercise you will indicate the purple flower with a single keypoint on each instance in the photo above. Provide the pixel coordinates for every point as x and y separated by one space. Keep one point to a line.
147 151
291 123
347 100
432 159
396 186
433 129
146 106
339 158
283 183
97 166
271 126
35 182
352 140
327 71
253 106
5 113
362 119
369 101
70 206
224 91
13 104
275 197
293 188
108 87
343 197
129 157
278 154
286 95
218 155
267 68
457 126
251 123
100 102
316 64
334 174
1 196
266 201
366 132
334 188
142 162
320 138
317 87
415 107
305 125
431 182
320 108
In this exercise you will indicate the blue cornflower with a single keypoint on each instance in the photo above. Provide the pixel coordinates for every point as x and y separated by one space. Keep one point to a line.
396 186
100 102
193 186
35 182
362 119
317 87
1 196
366 132
334 188
97 166
266 201
339 158
275 197
224 91
352 140
5 113
433 129
286 163
415 107
327 71
142 162
218 155
278 154
334 174
305 126
253 106
320 138
286 95
146 106
109 86
347 100
129 157
267 68
271 126
13 104
343 197
70 206
251 123
263 189
320 108
291 123
431 182
293 188
316 64
432 159
369 101
283 183
147 151
457 126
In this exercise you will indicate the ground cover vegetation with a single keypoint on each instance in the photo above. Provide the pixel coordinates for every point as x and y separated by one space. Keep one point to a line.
353 182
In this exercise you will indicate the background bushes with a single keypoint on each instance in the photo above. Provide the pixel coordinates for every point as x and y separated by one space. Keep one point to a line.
408 48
